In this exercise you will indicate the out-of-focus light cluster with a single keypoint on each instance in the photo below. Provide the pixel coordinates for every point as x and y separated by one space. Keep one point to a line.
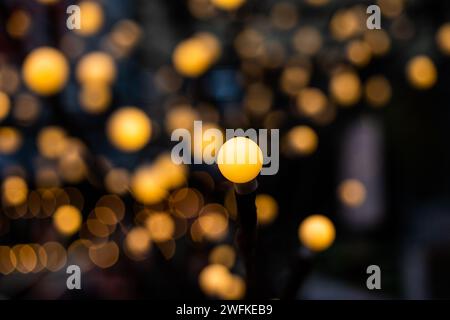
216 281
280 45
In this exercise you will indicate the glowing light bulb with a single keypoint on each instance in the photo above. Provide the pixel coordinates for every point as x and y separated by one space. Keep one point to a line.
129 129
91 18
266 208
240 160
5 105
345 88
147 186
192 57
443 38
227 4
67 219
421 72
161 226
15 190
96 68
316 232
45 71
224 255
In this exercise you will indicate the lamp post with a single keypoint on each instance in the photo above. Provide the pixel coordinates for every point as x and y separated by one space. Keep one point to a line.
316 233
240 161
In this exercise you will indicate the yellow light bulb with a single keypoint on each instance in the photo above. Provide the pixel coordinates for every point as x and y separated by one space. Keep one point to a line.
67 219
266 208
129 129
192 57
240 159
96 68
15 190
316 232
45 71
5 105
228 4
147 186
91 18
421 72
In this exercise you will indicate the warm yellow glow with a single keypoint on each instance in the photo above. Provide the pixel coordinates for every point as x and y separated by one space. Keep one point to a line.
234 289
213 222
352 192
378 41
124 36
172 175
311 102
98 228
91 18
67 220
181 116
317 3
201 9
204 142
26 108
117 181
293 79
307 40
316 232
8 260
129 129
9 78
56 256
249 44
391 8
78 253
258 99
104 255
95 98
186 202
421 72
10 140
192 57
5 105
147 186
302 140
52 142
346 23
228 4
266 208
41 255
137 242
71 167
216 281
378 91
224 255
96 68
110 209
284 15
443 38
359 53
161 226
45 71
18 24
26 258
240 159
15 190
213 278
345 88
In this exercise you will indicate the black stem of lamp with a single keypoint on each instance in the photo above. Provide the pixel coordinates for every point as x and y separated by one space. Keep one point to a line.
300 268
246 237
